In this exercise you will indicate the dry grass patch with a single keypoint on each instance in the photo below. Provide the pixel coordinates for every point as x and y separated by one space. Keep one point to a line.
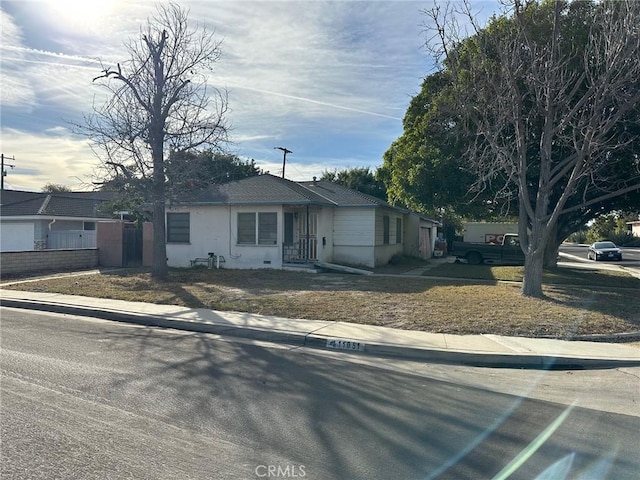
435 305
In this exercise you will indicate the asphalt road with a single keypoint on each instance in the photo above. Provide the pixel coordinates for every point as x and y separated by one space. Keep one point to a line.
630 256
85 399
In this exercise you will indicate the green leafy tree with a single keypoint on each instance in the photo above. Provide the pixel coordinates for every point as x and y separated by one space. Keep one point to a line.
158 102
55 188
193 170
186 172
543 106
425 167
360 178
613 227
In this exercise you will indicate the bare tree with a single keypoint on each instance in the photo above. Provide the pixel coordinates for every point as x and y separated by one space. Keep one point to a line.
158 102
548 102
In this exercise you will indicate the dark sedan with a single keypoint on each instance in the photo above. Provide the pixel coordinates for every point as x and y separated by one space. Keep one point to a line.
604 251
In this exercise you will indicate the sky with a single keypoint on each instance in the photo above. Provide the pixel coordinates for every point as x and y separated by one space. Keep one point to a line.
328 80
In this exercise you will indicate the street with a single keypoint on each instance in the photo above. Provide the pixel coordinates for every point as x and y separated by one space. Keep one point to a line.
85 398
630 255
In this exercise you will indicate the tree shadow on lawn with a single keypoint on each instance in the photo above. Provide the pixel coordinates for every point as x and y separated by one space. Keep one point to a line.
552 276
274 292
273 281
282 405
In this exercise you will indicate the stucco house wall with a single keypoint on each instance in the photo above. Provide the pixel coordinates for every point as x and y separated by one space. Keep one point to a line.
326 242
385 251
420 236
214 229
345 226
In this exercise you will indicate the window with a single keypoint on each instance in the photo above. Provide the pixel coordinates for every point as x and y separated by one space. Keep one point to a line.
385 230
247 228
266 232
87 226
267 228
398 230
178 228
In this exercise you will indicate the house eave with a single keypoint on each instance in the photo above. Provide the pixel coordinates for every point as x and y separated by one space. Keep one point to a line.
23 218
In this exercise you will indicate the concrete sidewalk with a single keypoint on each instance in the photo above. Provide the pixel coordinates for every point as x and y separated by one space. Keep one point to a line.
479 350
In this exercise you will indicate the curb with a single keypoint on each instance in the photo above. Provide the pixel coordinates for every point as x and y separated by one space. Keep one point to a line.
317 341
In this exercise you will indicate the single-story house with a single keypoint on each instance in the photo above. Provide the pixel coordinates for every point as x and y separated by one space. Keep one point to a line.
38 221
270 222
634 227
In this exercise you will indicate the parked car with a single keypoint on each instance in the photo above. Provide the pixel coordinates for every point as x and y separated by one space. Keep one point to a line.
506 253
604 251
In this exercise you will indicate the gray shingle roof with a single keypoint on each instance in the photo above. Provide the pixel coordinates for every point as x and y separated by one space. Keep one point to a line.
259 190
345 197
271 190
15 203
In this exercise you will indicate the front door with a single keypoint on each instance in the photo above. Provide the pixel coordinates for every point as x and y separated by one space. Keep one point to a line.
308 235
300 237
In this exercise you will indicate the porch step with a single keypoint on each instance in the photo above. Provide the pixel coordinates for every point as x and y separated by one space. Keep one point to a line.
342 268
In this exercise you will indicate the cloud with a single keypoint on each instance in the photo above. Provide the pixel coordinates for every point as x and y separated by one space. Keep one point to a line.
328 79
53 156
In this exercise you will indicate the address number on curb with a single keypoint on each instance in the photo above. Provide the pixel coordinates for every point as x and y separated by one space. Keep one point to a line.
342 344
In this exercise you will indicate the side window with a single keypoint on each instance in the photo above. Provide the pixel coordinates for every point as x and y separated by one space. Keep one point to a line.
385 230
178 227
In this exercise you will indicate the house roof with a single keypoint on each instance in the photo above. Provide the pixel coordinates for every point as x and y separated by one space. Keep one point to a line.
271 190
257 190
345 197
15 203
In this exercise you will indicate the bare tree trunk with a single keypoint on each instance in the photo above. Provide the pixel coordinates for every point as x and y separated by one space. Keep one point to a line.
158 102
532 281
160 268
534 259
552 249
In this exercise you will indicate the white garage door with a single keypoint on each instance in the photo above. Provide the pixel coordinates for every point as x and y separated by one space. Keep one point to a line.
16 237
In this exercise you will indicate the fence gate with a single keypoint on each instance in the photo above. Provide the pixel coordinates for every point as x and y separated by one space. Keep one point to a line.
132 247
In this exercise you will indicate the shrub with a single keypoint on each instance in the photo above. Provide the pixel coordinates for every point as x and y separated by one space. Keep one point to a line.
578 237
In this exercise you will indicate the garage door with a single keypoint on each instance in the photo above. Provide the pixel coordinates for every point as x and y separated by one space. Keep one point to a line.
16 237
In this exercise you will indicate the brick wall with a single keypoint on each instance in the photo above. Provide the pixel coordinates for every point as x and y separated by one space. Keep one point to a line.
34 261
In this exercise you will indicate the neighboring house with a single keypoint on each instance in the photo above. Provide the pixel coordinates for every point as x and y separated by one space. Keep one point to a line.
37 221
634 227
270 222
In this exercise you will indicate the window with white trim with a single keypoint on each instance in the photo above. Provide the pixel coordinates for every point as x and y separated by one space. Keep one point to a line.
259 228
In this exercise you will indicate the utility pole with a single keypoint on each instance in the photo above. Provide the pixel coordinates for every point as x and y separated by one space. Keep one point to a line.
284 160
2 171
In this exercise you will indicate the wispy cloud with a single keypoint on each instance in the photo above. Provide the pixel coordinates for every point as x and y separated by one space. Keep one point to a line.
330 80
317 102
